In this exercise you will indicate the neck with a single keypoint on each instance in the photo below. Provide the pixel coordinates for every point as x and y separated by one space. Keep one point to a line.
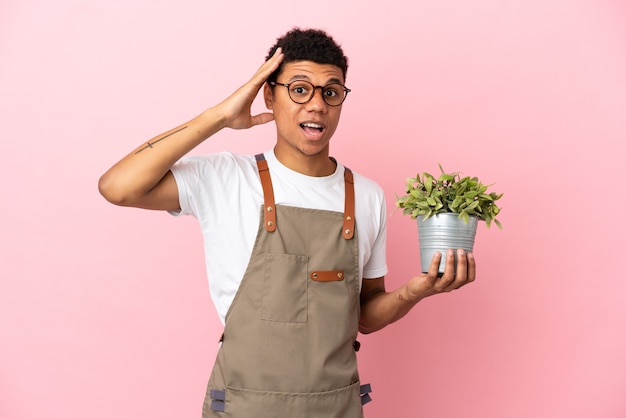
318 165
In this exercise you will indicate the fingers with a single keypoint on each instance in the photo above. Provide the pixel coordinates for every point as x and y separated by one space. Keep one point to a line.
262 118
268 67
277 58
433 283
471 268
446 281
465 268
464 273
433 269
252 87
461 266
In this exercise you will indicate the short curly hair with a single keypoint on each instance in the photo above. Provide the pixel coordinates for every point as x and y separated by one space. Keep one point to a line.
308 45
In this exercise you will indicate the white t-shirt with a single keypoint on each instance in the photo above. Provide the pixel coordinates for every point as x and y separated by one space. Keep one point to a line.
223 191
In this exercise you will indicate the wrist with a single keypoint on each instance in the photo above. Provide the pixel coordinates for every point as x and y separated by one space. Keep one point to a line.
410 295
211 121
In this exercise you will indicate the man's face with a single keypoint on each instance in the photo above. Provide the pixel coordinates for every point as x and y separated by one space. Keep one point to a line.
304 129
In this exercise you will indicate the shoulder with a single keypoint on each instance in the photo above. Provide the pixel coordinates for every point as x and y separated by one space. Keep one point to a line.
213 186
223 167
218 161
367 187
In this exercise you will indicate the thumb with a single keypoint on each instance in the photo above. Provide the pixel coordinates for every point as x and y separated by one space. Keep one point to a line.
262 118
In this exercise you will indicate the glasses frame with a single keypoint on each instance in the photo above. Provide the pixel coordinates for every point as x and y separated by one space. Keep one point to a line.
322 89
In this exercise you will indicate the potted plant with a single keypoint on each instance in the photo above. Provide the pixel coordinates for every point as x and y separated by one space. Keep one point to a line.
447 209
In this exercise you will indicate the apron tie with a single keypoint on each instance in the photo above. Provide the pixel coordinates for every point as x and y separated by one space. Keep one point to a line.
218 400
365 393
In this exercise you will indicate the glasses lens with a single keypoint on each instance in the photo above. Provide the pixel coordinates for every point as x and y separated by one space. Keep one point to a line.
334 94
301 91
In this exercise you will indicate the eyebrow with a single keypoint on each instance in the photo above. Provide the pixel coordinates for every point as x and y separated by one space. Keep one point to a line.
304 77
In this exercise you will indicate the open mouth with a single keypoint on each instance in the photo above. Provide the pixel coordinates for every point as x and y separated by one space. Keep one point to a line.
310 127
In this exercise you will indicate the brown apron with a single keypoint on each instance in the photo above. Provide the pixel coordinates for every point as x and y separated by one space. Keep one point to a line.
288 349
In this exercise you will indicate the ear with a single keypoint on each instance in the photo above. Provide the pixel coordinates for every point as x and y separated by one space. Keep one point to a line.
268 96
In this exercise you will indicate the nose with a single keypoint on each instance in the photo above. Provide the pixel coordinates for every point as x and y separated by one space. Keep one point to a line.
317 102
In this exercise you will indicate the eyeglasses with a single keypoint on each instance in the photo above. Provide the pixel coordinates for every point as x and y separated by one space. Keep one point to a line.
301 92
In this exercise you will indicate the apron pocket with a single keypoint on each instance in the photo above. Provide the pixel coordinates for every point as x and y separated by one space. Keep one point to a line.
341 403
284 294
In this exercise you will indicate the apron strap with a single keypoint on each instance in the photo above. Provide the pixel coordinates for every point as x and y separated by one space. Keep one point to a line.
348 212
268 193
269 209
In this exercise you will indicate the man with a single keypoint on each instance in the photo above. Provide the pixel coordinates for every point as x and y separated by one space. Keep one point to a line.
294 241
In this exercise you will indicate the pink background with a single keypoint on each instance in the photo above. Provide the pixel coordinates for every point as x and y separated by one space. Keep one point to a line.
105 311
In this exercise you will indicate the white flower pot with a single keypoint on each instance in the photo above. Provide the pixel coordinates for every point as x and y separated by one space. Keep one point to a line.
441 232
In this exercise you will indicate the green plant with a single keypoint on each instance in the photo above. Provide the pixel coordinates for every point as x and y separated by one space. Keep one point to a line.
449 193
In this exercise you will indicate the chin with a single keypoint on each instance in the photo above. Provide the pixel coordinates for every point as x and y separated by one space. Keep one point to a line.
314 150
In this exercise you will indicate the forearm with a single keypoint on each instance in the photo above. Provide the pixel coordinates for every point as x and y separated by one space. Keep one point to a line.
384 308
380 308
142 169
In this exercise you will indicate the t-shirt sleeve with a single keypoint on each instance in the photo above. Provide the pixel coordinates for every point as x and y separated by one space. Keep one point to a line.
204 182
186 172
209 185
376 266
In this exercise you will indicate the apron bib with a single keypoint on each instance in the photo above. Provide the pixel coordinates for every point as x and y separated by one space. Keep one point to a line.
289 343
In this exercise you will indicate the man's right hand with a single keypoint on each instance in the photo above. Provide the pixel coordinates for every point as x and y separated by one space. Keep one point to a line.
235 110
